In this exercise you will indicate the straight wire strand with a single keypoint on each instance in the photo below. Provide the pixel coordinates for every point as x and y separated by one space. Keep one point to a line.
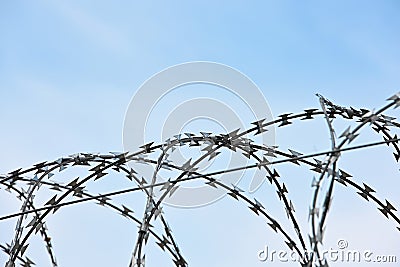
195 177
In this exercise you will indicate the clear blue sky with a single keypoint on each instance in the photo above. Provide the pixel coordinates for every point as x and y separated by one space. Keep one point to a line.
68 70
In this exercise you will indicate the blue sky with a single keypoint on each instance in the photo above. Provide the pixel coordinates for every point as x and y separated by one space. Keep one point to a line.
69 69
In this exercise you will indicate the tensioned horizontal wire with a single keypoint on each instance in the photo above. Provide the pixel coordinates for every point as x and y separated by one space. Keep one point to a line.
195 177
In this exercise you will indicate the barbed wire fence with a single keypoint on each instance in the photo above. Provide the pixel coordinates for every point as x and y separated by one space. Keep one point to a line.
31 218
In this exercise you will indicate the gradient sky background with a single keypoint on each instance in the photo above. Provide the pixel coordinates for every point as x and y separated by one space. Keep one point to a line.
69 69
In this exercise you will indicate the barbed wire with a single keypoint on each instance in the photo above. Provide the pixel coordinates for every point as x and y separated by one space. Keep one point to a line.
31 220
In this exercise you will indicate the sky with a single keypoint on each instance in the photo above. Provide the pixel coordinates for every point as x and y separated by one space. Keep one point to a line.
68 71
